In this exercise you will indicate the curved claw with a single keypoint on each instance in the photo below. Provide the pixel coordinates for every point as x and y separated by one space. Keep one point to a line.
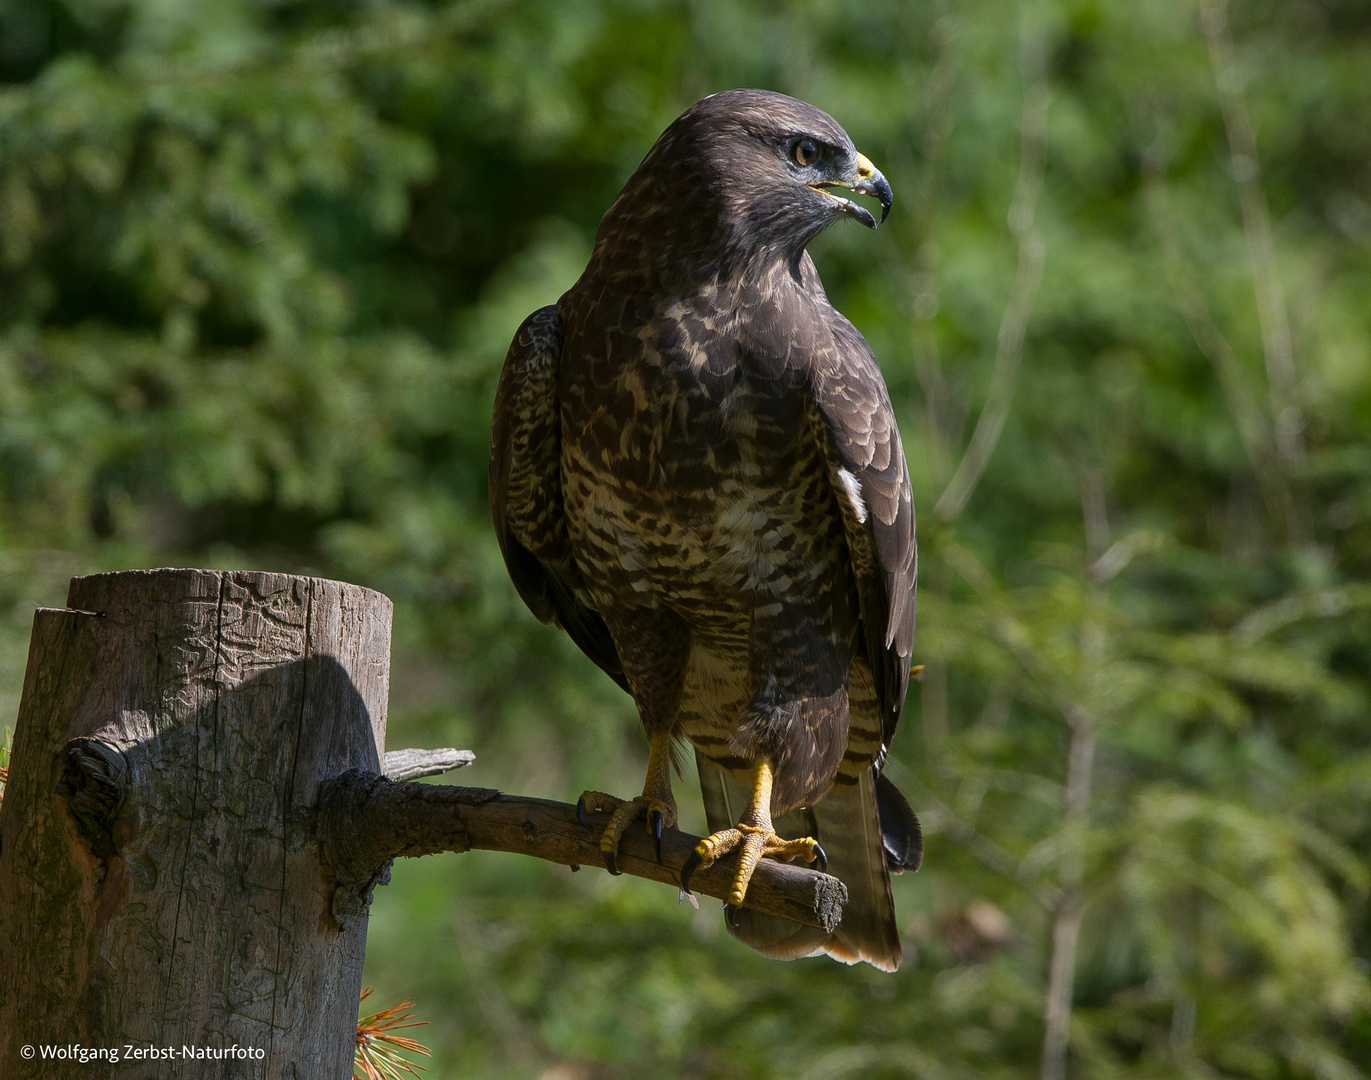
820 859
689 867
611 864
655 823
731 915
581 812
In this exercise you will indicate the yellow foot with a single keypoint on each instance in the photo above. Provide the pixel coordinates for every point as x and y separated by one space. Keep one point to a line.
751 842
659 813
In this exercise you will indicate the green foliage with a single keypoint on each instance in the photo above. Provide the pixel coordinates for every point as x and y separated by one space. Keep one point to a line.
259 263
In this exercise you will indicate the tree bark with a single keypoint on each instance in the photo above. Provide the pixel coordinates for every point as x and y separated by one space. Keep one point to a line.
366 820
160 883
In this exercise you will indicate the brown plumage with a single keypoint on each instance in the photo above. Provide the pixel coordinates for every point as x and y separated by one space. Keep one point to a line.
696 472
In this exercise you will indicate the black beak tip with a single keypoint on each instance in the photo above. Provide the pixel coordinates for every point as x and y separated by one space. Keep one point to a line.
861 215
878 187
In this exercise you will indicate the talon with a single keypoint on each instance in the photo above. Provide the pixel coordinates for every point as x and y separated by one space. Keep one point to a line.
731 915
654 822
688 868
820 859
581 812
611 864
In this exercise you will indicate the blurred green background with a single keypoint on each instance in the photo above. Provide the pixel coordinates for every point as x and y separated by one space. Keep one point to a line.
259 263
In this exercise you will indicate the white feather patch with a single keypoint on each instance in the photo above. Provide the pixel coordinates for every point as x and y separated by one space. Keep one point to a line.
852 487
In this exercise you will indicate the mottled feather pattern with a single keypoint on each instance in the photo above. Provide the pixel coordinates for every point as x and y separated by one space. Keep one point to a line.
696 471
525 491
694 483
854 407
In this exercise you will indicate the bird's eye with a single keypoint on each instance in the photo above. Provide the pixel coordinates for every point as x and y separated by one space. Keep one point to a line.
805 152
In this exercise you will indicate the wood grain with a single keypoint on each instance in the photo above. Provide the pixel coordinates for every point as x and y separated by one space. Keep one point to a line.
159 880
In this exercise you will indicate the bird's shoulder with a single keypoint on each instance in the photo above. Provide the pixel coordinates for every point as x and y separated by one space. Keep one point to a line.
790 327
774 328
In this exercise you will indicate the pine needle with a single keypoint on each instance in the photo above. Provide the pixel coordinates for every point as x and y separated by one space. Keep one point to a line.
379 1054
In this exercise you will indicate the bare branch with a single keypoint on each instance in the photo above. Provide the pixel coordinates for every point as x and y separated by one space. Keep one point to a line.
1119 554
1023 292
1323 604
1066 920
1257 439
413 763
1189 299
1080 771
1256 220
938 92
365 820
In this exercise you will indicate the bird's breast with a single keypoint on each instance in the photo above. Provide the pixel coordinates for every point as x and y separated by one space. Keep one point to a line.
687 476
692 490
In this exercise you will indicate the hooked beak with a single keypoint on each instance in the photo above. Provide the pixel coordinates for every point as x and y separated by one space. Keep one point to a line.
869 181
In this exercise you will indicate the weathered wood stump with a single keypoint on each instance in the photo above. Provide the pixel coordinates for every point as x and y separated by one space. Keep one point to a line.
160 883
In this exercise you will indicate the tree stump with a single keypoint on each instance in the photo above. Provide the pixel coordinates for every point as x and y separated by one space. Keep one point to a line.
161 886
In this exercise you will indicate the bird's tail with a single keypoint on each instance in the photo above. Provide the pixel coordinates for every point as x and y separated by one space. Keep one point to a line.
847 822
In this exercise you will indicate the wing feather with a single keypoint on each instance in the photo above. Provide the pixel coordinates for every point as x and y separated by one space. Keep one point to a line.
526 491
862 444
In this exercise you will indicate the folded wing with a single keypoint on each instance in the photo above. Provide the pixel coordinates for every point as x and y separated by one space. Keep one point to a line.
526 491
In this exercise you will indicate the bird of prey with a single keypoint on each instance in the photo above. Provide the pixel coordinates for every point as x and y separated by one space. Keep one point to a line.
696 473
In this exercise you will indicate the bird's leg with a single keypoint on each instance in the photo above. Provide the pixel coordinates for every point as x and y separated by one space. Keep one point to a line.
656 804
753 837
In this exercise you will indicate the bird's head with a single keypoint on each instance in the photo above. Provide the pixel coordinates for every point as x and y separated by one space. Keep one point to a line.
752 173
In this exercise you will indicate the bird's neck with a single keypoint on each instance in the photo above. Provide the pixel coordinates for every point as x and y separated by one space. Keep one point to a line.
673 264
688 240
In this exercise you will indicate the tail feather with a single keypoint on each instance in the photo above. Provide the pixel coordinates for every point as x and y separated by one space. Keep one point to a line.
849 826
900 832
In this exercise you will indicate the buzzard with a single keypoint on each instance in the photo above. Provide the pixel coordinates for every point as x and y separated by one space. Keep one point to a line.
695 472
